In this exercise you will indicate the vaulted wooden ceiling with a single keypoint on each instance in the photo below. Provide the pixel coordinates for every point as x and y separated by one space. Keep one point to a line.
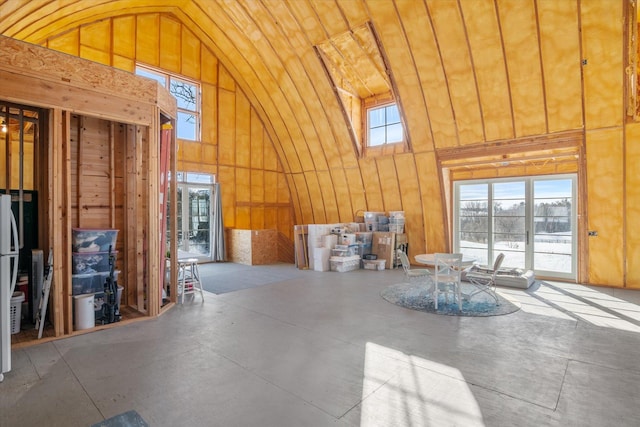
467 73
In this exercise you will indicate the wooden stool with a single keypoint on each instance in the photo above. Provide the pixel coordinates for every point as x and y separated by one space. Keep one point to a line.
188 278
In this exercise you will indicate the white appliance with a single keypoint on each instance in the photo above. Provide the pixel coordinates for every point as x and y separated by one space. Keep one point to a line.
8 274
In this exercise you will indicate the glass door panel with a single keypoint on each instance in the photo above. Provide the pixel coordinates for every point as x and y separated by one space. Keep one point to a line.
473 221
509 222
199 224
553 241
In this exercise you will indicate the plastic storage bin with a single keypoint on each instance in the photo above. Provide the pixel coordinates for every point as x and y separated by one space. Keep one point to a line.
342 264
91 262
89 283
93 239
376 264
15 311
83 309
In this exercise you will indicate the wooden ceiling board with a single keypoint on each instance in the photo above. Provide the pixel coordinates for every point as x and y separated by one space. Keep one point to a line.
259 53
327 121
602 49
191 63
489 69
454 50
200 13
439 130
125 28
315 127
522 53
560 50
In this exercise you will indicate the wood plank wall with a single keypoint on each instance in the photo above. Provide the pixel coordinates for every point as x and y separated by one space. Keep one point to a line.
235 145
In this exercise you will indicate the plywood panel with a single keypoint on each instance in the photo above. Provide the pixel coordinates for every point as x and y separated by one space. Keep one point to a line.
560 50
602 49
522 52
605 207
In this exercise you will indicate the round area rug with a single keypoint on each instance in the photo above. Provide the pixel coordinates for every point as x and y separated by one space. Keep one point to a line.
417 297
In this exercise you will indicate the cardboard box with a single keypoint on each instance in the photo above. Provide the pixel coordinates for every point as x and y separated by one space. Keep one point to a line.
383 245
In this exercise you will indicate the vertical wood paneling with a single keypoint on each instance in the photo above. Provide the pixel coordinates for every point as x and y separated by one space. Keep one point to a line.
410 198
371 181
242 141
190 58
123 36
66 43
389 183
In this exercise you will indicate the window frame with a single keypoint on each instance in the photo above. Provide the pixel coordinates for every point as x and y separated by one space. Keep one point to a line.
367 125
168 78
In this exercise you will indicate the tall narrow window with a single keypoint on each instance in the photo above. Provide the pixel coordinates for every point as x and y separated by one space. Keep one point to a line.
384 125
187 95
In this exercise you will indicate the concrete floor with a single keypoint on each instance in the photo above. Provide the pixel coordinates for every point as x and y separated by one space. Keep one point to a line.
324 349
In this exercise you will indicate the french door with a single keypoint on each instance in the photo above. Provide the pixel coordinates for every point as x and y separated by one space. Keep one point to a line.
194 201
531 220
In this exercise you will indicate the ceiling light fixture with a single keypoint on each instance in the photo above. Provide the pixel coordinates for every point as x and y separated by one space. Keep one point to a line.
4 127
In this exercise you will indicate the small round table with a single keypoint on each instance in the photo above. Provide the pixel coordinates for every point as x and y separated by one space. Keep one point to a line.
430 260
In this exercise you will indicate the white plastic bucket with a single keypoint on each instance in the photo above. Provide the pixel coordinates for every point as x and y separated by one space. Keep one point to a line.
15 312
84 310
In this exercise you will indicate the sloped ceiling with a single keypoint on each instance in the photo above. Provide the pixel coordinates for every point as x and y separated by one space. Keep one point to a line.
468 72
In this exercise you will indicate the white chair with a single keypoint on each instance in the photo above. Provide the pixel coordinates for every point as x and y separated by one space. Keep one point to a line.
484 279
418 275
447 278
